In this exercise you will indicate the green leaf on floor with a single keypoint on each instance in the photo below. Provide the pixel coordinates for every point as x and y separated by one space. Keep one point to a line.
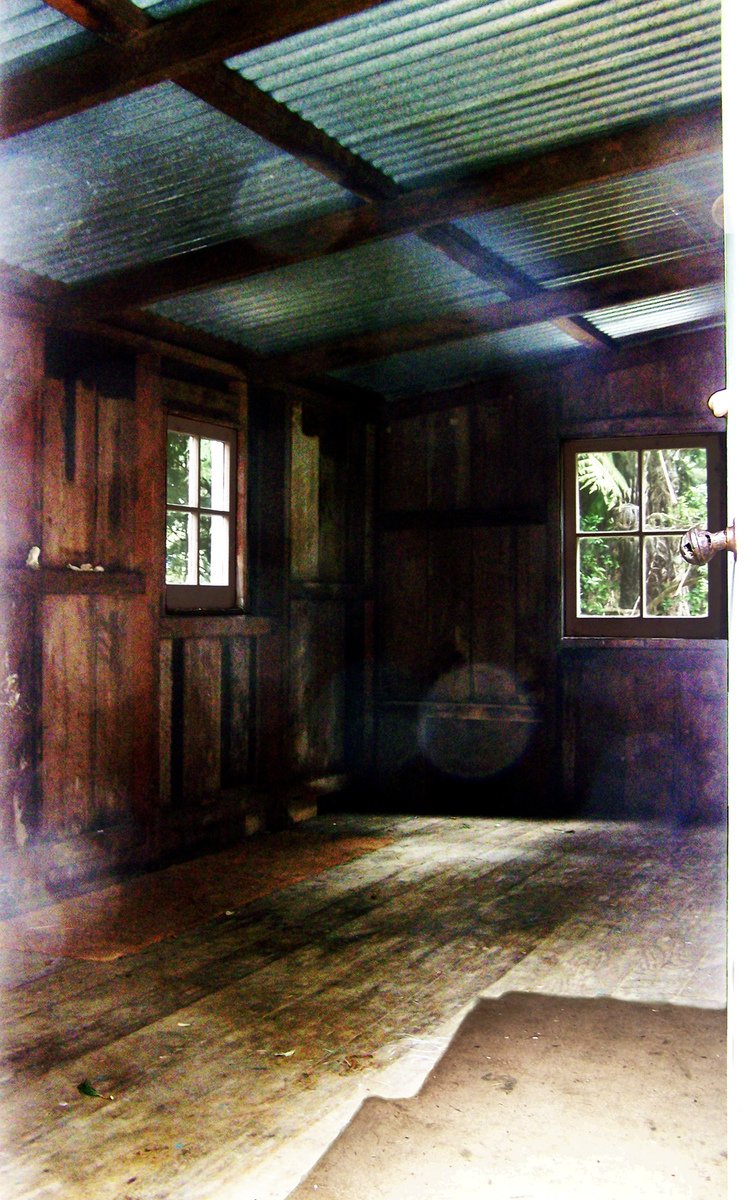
87 1089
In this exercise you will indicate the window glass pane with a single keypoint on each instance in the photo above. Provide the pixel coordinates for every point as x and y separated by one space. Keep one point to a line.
177 553
214 550
675 485
673 588
178 467
608 490
214 491
609 577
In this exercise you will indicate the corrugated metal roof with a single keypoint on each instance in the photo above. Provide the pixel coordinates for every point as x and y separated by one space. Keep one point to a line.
589 231
372 287
704 304
142 177
457 362
429 87
33 34
161 9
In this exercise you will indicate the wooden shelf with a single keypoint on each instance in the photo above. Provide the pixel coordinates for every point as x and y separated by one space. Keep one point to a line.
62 581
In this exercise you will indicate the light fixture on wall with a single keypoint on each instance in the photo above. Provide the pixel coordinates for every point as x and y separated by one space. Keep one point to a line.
718 403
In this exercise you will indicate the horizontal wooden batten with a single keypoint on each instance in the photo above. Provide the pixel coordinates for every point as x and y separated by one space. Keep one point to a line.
59 581
314 589
704 266
224 626
440 710
637 149
463 518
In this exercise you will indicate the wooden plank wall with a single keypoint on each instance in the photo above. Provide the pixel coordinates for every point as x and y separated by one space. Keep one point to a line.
78 483
465 693
473 670
644 726
130 735
330 600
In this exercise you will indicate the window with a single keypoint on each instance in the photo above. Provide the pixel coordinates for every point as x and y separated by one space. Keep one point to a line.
200 515
627 504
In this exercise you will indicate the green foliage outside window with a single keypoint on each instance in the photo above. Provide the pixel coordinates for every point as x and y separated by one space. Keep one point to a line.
638 503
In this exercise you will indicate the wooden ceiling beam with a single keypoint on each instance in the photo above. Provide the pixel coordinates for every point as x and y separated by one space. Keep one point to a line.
702 267
246 103
637 149
198 37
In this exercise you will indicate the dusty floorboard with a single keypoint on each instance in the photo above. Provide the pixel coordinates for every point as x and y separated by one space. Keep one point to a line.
234 1053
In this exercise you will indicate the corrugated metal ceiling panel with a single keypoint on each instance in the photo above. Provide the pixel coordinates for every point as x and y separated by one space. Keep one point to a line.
704 304
33 34
148 175
590 231
373 287
429 87
456 362
167 8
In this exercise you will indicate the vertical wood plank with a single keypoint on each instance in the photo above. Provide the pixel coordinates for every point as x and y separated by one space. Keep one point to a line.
68 523
202 719
238 717
304 518
116 463
449 451
149 498
19 487
317 690
404 614
68 714
166 686
404 465
494 609
334 508
114 713
19 712
450 633
239 391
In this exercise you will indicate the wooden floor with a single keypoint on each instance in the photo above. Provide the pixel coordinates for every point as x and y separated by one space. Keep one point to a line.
229 1057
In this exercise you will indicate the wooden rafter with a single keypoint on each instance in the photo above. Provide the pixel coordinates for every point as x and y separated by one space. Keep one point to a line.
123 24
198 37
693 270
639 149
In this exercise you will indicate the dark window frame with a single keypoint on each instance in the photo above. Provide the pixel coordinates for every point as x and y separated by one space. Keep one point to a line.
647 627
205 597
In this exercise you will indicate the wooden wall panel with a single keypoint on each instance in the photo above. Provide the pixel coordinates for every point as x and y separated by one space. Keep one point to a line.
645 731
19 488
19 707
238 711
448 458
202 718
404 465
68 504
611 742
494 589
166 730
445 638
68 714
317 686
304 516
404 610
114 674
115 545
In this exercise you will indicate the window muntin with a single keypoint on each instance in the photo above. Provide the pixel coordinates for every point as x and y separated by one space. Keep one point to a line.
628 502
200 515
